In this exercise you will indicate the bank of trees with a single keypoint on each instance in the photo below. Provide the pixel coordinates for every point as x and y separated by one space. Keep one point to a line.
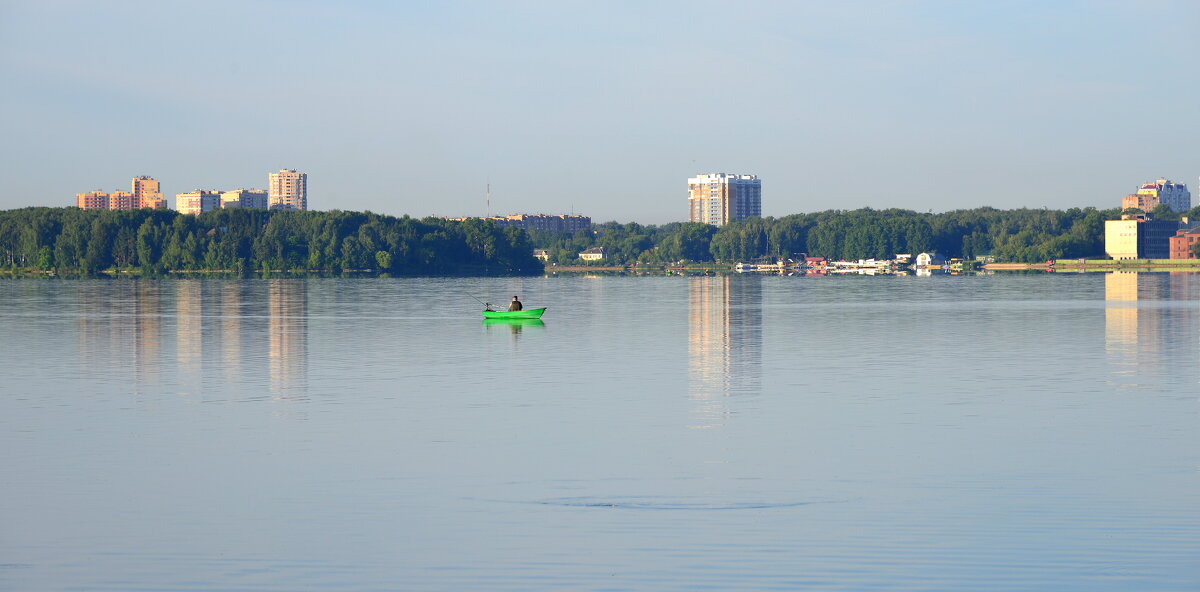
1023 235
244 240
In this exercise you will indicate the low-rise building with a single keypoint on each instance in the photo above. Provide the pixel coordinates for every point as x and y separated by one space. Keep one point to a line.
930 260
542 254
1181 243
544 222
592 254
1138 237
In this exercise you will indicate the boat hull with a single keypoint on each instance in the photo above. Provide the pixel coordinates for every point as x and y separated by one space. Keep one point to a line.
531 313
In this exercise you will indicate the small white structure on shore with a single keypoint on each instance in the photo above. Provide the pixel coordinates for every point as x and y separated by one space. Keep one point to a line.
930 260
592 254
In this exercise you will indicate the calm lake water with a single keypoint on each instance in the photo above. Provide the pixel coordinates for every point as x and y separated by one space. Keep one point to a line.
1008 432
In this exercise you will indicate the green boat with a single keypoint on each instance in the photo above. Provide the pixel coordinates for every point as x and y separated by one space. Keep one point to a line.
529 313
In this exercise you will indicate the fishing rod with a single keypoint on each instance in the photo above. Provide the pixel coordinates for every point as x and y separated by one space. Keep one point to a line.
486 305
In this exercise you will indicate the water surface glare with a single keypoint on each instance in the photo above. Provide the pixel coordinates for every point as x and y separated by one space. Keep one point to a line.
1021 432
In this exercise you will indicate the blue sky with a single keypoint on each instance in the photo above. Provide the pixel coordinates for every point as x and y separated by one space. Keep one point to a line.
603 109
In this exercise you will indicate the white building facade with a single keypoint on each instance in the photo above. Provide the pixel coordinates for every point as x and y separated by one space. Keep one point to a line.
1175 195
721 198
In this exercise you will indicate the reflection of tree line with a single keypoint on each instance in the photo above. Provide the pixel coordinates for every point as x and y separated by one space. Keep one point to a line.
242 329
724 339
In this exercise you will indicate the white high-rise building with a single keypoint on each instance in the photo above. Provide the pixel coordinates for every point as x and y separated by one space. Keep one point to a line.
721 198
1162 191
288 190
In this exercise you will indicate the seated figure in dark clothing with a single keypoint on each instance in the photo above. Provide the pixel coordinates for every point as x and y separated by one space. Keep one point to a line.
515 304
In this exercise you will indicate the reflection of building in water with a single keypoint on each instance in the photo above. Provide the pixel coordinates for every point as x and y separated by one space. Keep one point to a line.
724 340
287 305
91 325
147 336
231 328
189 343
118 329
1134 320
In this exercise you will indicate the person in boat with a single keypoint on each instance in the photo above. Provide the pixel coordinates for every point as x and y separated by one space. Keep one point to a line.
514 305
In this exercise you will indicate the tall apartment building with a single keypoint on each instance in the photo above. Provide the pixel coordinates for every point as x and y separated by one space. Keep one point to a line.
245 198
288 190
144 195
721 198
1162 191
146 192
198 201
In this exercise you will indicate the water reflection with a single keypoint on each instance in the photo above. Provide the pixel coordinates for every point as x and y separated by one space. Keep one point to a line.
118 328
243 331
1139 313
724 342
514 326
287 309
189 339
147 314
231 329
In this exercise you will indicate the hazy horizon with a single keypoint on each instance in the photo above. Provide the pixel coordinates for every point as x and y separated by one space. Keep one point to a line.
603 110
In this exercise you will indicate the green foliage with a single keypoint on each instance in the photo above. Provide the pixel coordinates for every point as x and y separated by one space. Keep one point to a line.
1022 235
1163 211
241 240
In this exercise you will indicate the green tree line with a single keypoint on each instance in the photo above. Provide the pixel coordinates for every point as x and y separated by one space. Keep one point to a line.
1020 235
245 240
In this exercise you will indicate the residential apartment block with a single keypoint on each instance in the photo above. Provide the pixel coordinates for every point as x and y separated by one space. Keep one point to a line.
145 194
245 198
1161 191
721 198
287 190
198 201
550 223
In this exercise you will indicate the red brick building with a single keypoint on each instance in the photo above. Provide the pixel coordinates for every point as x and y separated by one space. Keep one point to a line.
1181 243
